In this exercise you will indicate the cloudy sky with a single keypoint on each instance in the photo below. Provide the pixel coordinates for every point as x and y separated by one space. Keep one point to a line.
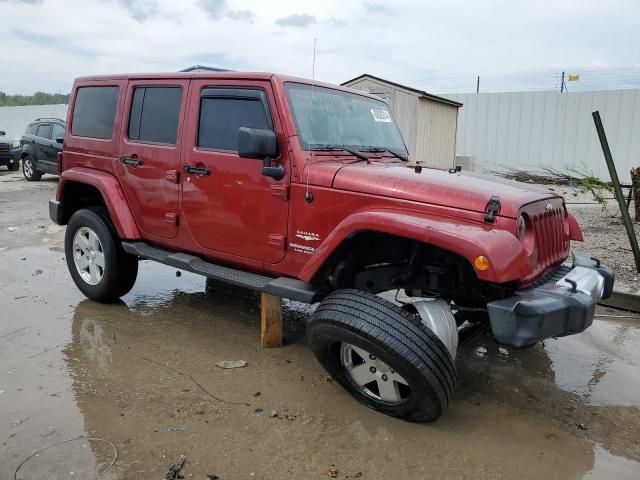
427 44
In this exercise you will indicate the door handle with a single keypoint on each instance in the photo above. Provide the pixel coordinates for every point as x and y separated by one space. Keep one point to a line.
131 161
196 170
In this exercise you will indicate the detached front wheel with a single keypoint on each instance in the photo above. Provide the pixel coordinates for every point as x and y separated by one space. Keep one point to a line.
382 355
99 266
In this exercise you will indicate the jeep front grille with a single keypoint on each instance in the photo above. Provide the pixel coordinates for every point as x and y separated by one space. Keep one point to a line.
5 147
551 242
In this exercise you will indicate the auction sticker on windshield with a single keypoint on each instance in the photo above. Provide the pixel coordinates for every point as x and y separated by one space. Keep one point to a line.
380 115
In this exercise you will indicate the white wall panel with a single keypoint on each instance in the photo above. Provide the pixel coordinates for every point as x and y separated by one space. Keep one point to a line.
14 120
532 129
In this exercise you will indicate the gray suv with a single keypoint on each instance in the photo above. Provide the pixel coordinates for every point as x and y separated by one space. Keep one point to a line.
41 143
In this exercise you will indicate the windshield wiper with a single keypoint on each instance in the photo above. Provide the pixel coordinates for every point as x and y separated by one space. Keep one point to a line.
402 157
336 148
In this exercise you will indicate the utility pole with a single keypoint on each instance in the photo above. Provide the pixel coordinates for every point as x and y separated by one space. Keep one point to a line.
562 83
478 85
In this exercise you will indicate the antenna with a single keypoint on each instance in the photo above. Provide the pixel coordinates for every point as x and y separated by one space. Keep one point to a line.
308 196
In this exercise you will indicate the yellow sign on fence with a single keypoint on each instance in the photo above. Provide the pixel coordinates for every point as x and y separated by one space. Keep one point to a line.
574 78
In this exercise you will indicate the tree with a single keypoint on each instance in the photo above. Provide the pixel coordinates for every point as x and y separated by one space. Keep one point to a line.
38 98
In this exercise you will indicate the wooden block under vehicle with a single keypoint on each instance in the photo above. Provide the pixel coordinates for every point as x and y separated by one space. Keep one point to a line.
271 321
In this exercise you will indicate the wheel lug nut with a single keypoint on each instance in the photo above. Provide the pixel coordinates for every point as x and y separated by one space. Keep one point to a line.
372 369
384 377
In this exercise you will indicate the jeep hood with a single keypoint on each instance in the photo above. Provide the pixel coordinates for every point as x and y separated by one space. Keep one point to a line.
463 190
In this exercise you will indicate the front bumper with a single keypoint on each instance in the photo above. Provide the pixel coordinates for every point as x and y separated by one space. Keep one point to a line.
12 156
563 303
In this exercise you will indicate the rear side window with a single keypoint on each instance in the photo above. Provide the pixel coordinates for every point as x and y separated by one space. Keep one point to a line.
58 131
154 114
94 112
44 130
221 117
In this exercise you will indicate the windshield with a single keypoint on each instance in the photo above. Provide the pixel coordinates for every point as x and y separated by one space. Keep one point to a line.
341 119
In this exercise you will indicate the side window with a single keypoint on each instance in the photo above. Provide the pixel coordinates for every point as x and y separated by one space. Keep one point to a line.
44 131
94 112
58 131
222 113
154 116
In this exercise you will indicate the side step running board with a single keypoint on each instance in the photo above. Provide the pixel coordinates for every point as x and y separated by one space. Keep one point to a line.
280 287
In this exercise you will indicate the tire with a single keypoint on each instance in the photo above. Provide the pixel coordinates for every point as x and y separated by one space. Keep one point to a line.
399 348
29 169
119 270
13 167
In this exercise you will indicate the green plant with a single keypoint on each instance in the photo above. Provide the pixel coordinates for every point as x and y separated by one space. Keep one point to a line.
587 182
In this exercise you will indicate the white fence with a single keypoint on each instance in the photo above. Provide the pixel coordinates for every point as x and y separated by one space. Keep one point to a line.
14 120
531 129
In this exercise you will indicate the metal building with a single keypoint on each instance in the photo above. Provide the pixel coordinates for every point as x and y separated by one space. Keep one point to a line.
533 130
428 123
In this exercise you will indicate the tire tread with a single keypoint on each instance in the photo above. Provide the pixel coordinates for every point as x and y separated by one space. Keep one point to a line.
394 328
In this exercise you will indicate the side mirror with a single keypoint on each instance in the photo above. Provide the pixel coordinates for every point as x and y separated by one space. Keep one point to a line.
260 143
60 140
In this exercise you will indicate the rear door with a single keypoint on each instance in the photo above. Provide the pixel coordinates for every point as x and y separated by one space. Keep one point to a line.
57 131
150 153
42 144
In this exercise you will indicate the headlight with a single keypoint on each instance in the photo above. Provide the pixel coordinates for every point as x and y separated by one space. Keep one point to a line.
526 233
16 144
521 228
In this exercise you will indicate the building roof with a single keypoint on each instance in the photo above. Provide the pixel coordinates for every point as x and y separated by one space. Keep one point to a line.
420 93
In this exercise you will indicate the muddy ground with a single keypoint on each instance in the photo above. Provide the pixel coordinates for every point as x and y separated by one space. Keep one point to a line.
139 377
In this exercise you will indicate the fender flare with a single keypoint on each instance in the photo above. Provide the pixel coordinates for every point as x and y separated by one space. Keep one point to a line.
508 259
27 149
111 193
575 232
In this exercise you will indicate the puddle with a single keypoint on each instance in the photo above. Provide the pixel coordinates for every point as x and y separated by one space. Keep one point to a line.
607 466
159 284
74 458
142 375
601 364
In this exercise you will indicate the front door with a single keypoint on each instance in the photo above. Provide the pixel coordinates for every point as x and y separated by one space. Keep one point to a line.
229 206
149 153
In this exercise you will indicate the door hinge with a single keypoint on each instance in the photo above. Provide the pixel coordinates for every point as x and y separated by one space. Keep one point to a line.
173 176
493 207
277 240
171 218
280 191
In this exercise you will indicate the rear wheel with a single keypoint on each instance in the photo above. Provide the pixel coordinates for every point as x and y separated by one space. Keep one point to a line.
99 266
29 169
382 355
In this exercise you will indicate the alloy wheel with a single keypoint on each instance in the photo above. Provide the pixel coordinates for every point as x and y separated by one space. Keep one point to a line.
28 167
372 376
88 255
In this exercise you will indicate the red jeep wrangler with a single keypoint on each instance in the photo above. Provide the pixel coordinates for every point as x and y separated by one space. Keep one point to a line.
305 190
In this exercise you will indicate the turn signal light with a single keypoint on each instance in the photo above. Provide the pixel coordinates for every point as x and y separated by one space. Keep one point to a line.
481 263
